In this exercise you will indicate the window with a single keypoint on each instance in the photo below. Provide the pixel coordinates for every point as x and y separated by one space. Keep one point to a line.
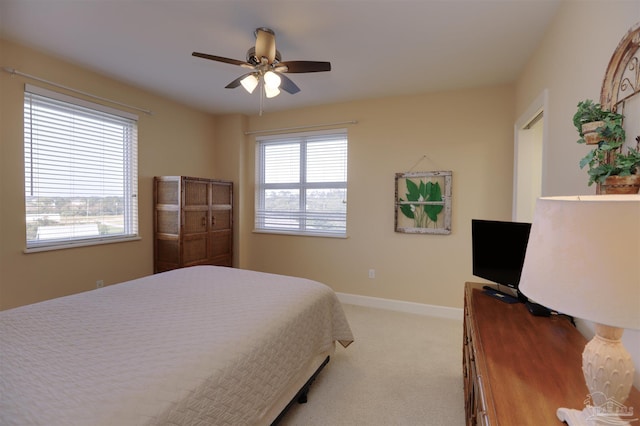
80 169
302 184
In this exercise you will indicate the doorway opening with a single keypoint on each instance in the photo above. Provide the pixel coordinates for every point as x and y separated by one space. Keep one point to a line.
528 167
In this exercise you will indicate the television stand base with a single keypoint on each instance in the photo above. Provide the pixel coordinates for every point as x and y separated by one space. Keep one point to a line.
497 294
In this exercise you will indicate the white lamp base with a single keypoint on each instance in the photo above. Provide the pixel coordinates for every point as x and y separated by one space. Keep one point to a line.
589 417
608 371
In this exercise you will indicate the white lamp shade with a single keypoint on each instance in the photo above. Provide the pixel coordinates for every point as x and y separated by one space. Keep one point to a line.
583 258
249 83
271 92
272 80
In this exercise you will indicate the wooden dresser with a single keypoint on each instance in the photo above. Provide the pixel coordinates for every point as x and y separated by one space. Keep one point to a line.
193 222
518 368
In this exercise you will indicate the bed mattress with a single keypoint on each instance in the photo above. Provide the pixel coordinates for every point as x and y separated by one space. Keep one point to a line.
201 345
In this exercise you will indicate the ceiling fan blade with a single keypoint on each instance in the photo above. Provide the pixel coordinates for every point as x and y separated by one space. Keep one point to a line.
221 59
303 66
235 83
287 85
265 44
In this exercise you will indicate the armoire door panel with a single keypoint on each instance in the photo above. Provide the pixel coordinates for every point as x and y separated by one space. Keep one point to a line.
193 222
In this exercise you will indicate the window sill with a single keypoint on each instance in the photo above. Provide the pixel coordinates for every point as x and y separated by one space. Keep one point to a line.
299 234
75 244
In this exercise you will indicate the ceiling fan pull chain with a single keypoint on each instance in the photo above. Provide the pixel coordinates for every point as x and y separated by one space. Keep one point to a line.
261 95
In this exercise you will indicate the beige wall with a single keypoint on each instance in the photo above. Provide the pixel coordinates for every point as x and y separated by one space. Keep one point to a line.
571 62
468 132
229 165
391 136
175 140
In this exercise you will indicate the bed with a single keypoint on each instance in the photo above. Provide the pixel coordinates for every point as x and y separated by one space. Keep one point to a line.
204 345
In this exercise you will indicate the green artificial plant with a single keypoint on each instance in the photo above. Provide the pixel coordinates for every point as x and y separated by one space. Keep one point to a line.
607 158
422 214
589 112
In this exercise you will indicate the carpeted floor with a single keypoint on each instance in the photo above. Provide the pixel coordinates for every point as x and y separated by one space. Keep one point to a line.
402 369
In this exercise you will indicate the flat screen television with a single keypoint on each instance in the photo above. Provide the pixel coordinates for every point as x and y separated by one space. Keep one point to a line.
498 249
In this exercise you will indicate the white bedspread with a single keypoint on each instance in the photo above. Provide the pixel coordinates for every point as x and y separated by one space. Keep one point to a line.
201 345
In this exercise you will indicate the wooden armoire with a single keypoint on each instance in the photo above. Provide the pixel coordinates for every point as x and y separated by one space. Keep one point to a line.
192 222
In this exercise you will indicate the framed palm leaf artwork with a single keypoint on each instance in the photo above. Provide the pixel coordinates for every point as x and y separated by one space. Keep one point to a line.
423 202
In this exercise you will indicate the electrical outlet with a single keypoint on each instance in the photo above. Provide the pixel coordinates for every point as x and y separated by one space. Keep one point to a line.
99 283
372 273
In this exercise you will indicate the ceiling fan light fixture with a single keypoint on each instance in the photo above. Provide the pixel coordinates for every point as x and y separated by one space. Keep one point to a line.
249 83
272 80
271 92
266 67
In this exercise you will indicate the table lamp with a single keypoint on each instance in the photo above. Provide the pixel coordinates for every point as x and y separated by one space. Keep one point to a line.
583 259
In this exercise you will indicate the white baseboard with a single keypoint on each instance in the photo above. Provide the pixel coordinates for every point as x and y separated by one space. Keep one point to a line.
399 305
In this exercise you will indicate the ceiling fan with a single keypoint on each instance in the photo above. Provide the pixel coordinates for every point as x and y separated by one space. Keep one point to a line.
264 61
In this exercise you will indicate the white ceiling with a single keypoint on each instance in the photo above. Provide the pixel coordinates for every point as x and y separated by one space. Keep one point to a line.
377 48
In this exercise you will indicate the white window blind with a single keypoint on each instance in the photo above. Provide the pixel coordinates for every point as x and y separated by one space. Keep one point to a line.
80 168
302 183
